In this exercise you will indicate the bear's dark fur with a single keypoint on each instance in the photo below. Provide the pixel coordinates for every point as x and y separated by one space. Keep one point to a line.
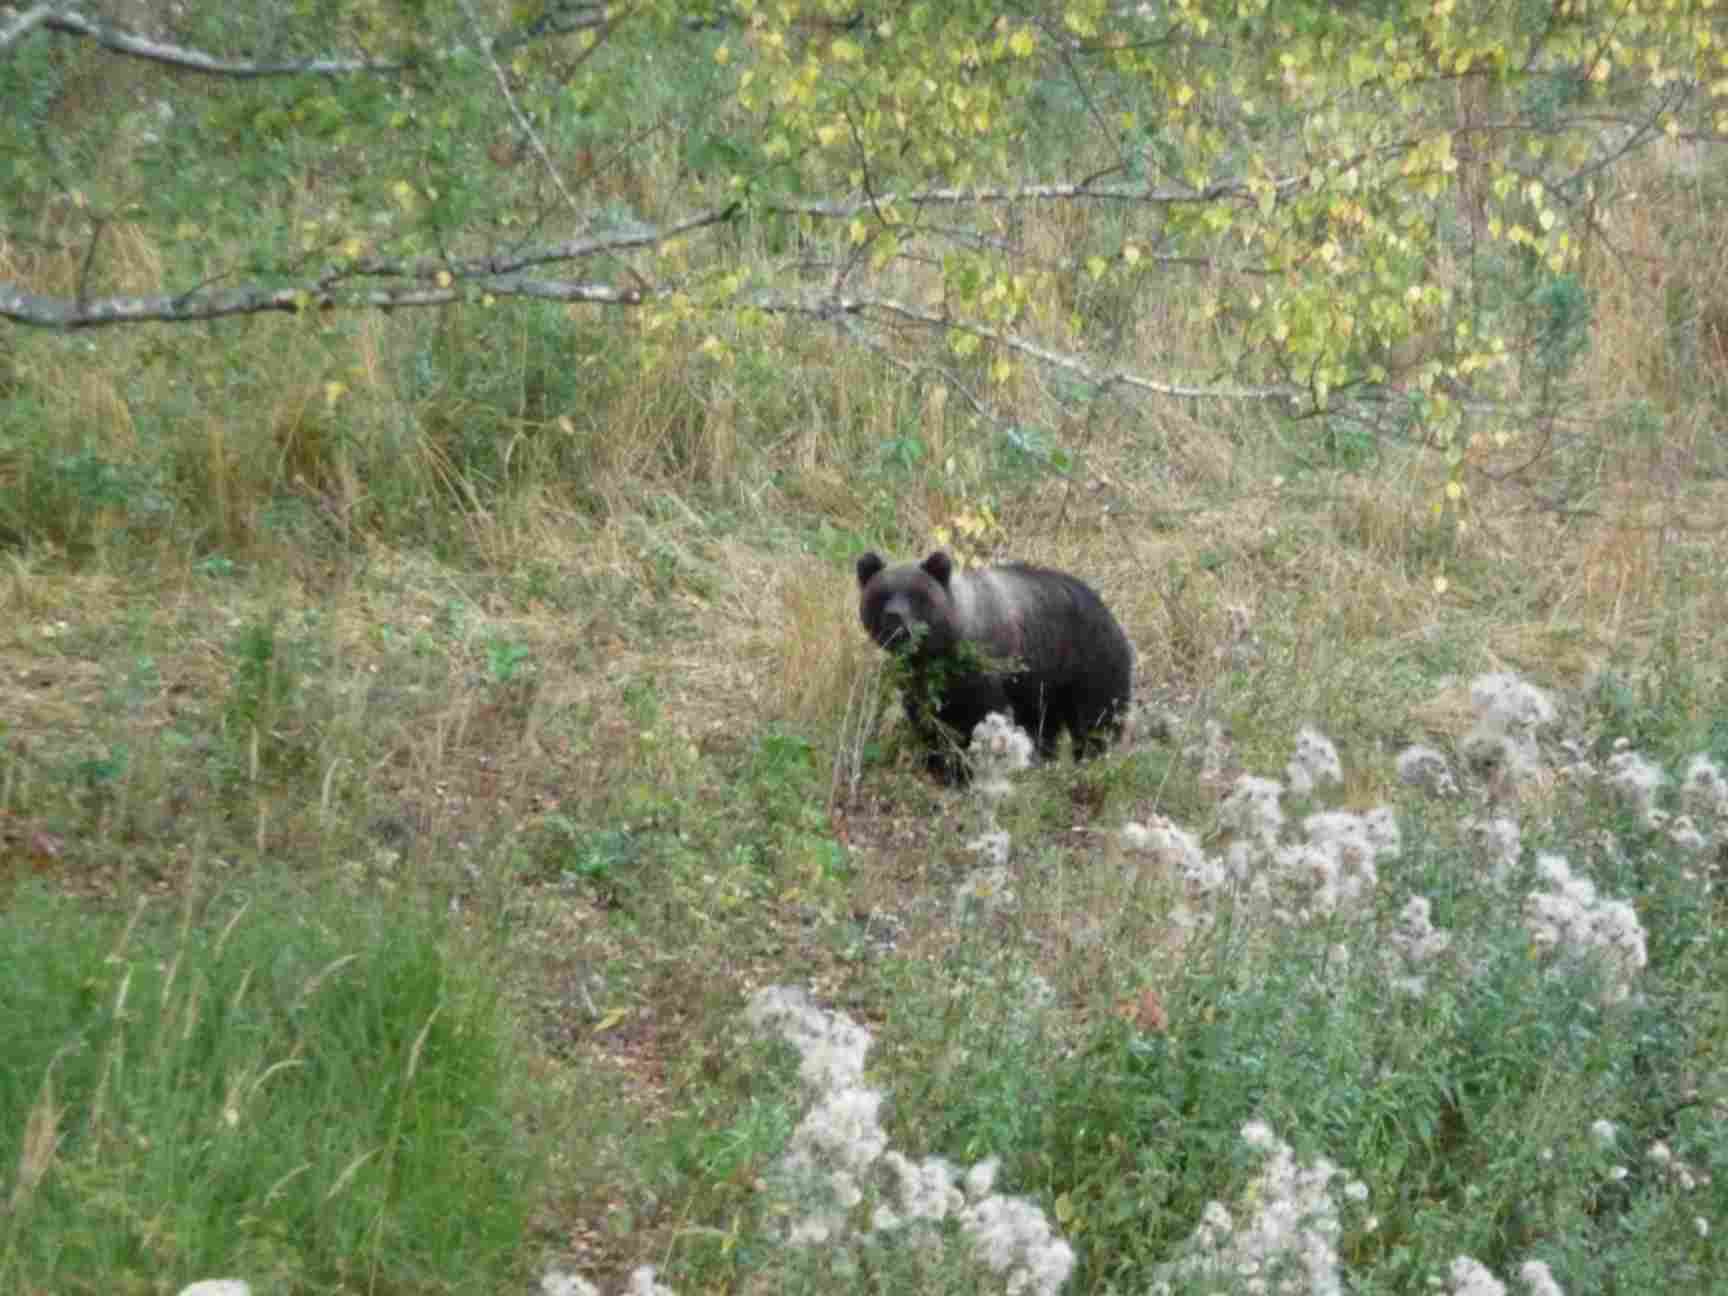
1035 644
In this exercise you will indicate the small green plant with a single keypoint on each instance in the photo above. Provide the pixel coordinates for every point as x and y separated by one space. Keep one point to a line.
603 859
792 835
1032 452
97 776
903 454
508 660
642 700
924 683
264 712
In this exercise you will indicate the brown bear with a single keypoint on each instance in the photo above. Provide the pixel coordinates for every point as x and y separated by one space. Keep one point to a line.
1035 644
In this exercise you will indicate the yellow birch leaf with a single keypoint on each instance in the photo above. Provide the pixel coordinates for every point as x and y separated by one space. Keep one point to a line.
610 1020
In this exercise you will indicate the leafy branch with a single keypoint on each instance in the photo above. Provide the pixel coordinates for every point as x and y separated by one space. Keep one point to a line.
888 308
1313 167
497 273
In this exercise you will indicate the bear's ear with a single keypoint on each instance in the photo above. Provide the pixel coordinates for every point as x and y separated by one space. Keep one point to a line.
868 565
939 567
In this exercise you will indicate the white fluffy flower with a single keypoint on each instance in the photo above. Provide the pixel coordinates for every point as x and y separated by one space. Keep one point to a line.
1704 790
1538 1279
1287 1241
1511 701
927 1191
1384 835
642 1283
1012 1237
1315 763
981 1179
1684 834
993 847
1176 851
825 1165
999 748
1259 1136
1335 870
840 1150
1570 919
1637 781
1501 843
1414 941
831 1045
1252 808
842 1132
1472 1278
1510 713
1674 1170
1425 768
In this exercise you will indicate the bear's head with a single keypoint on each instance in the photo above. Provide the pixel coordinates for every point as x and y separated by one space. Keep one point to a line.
909 608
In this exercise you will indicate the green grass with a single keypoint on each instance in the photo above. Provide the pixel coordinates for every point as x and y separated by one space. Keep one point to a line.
309 1088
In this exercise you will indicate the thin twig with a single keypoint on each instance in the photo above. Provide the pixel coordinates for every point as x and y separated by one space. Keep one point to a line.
522 122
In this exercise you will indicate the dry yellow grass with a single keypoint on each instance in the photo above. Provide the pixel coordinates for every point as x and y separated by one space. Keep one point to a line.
1604 572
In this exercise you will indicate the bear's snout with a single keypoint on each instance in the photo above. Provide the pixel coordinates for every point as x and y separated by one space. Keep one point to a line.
894 626
895 631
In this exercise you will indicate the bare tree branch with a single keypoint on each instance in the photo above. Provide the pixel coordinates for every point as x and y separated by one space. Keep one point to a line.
64 313
499 263
843 209
25 22
434 282
561 18
71 22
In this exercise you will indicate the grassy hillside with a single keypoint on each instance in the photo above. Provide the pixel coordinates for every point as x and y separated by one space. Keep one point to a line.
424 736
